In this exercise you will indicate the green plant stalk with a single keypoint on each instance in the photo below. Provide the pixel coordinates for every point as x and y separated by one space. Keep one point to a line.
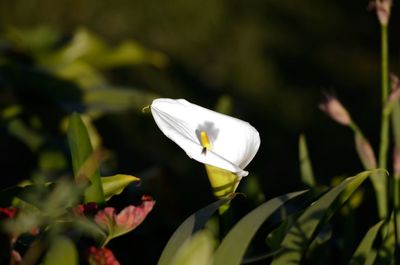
384 139
396 202
385 92
395 117
378 180
106 241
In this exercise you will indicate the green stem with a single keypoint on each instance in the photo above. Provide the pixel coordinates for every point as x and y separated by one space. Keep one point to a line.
105 242
385 91
396 202
384 140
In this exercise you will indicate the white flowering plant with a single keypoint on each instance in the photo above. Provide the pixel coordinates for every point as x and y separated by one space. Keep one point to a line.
71 218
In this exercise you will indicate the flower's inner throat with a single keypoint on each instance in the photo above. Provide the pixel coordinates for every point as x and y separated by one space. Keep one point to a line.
205 142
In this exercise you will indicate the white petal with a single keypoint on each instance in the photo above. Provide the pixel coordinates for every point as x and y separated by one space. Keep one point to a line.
234 142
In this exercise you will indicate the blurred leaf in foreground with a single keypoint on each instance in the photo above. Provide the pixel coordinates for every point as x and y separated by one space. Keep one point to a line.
197 250
185 231
62 252
81 149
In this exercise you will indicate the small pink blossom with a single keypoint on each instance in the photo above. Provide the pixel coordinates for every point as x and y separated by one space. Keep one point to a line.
382 8
365 152
128 219
101 256
335 110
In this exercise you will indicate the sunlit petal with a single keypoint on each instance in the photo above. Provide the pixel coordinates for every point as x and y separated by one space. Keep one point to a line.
234 142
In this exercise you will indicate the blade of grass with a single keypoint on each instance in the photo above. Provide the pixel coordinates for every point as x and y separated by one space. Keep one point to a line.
386 252
300 236
364 253
234 245
306 171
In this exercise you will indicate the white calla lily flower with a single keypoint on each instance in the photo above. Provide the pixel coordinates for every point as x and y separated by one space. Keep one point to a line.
207 136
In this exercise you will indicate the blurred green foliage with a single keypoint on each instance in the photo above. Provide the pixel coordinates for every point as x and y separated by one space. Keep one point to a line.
273 58
263 61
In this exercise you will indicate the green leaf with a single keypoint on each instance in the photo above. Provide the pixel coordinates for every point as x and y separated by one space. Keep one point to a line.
81 73
234 245
306 171
301 234
197 250
386 253
90 48
81 149
128 53
83 44
185 231
52 160
37 40
114 185
117 99
364 253
275 238
25 134
62 252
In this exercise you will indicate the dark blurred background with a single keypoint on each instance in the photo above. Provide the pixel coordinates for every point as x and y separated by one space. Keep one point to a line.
267 62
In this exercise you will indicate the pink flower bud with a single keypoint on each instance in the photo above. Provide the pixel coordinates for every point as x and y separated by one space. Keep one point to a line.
382 8
335 110
101 256
365 152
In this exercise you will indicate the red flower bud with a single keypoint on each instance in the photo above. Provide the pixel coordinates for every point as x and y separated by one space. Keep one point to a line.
89 209
6 213
101 256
